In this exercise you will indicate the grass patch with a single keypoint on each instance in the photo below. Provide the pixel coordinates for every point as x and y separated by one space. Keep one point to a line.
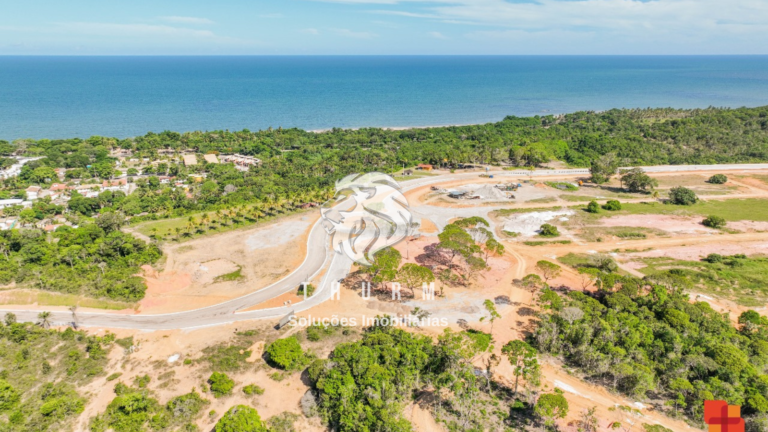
745 280
576 198
165 229
542 243
25 297
227 358
592 234
544 200
511 211
576 260
229 277
562 185
732 210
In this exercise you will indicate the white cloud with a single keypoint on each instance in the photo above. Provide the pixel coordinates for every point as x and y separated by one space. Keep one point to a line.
633 26
271 15
116 29
312 31
438 35
186 20
353 34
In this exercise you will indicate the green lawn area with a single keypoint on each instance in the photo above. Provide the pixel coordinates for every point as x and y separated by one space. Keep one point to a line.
27 297
744 280
593 233
733 210
163 226
575 260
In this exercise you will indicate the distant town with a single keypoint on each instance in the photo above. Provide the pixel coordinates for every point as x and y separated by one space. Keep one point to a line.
129 168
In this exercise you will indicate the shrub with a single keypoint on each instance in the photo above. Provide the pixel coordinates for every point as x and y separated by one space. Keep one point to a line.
252 389
286 353
718 179
612 205
114 376
283 422
310 290
186 406
240 418
221 384
593 207
713 221
9 396
682 196
548 230
141 381
714 258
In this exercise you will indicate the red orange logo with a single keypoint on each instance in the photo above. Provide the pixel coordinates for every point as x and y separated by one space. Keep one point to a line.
722 417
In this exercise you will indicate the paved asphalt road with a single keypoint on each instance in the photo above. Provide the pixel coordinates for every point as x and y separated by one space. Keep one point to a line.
319 256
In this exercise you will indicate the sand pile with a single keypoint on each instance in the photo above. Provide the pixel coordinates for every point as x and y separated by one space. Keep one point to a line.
528 224
485 192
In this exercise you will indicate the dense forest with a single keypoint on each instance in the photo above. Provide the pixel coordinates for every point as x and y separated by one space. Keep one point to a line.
645 338
95 259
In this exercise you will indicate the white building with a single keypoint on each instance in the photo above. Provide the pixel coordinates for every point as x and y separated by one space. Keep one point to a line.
10 202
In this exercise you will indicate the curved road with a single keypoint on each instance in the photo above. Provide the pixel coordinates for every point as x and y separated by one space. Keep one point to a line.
319 256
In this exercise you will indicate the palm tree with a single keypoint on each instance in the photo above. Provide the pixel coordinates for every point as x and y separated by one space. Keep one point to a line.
44 319
75 323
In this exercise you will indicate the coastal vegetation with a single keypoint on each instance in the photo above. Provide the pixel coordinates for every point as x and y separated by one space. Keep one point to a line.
41 372
299 168
646 339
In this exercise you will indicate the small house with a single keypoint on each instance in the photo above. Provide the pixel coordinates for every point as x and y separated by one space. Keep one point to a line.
211 158
33 192
424 167
190 159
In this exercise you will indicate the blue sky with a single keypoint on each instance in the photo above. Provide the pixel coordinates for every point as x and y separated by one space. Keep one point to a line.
176 27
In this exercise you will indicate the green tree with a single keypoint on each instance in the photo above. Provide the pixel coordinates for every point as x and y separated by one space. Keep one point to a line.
384 265
240 418
493 314
456 240
44 319
603 168
636 180
523 359
547 230
593 207
548 270
682 196
286 353
413 275
551 407
110 221
493 247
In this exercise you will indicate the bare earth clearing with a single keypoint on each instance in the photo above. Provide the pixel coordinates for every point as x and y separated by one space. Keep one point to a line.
195 272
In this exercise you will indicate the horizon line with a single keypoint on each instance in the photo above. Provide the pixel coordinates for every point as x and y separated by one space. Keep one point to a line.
384 55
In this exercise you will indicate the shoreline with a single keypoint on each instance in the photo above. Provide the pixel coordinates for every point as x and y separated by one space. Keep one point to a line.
399 128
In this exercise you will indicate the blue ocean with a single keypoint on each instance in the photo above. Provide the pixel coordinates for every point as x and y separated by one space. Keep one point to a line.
61 97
